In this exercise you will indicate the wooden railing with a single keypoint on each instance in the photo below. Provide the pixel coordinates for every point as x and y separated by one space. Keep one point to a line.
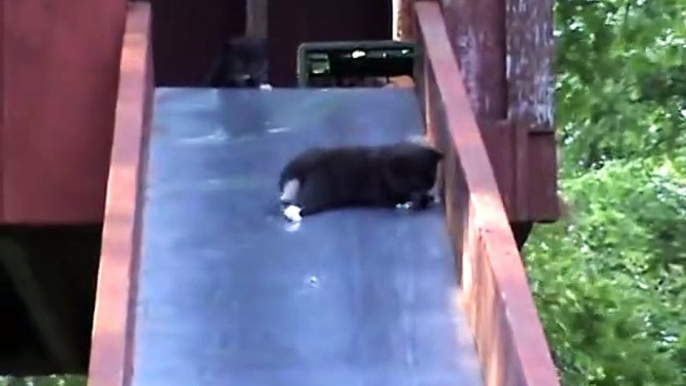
494 289
110 362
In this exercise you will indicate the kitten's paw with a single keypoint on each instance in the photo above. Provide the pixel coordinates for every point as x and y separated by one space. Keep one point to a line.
435 199
404 205
292 213
265 86
421 202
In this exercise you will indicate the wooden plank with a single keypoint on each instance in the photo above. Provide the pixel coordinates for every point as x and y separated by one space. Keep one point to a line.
110 362
477 35
531 91
403 16
256 27
530 51
3 82
256 18
495 290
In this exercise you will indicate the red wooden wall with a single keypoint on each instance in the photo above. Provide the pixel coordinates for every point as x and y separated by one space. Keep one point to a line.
59 76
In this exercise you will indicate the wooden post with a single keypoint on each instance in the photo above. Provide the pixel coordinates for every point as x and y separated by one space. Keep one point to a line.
403 20
257 27
529 54
505 51
3 82
256 18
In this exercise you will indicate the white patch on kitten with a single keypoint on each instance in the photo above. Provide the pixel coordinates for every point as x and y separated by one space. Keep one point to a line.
404 205
292 213
420 140
290 190
436 199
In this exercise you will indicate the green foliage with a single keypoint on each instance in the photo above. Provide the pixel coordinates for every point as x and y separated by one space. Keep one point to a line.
50 380
609 280
621 79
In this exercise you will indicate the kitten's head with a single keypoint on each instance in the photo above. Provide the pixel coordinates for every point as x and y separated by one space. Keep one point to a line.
242 63
415 165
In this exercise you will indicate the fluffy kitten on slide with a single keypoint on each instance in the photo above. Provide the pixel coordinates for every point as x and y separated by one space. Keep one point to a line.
321 179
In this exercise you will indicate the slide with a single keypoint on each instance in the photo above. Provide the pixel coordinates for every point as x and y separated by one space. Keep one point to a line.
230 294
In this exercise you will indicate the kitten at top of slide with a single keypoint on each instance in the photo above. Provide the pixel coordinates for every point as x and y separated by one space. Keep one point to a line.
321 179
240 63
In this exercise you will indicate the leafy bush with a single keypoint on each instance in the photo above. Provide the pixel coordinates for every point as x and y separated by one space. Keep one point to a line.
50 380
609 282
609 279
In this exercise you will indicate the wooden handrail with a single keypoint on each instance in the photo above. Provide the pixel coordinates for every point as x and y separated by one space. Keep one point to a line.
495 292
112 343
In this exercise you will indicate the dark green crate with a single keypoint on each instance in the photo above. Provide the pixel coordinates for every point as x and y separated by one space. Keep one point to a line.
327 64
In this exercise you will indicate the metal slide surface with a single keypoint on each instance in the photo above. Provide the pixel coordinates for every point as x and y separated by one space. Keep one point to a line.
229 296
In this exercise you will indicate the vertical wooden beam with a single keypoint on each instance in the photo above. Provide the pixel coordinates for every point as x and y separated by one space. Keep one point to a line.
3 82
257 27
505 52
395 19
256 18
530 47
403 19
477 34
530 50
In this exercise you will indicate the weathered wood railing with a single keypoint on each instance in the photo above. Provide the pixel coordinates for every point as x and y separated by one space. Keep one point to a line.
495 293
110 362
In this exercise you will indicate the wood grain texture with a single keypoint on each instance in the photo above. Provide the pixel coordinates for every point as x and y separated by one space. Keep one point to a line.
112 344
495 292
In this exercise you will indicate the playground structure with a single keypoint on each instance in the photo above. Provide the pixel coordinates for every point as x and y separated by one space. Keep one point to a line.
513 133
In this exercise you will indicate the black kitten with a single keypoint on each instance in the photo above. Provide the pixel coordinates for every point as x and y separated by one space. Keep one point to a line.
242 62
383 176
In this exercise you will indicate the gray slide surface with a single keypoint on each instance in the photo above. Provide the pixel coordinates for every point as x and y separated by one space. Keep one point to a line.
230 295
